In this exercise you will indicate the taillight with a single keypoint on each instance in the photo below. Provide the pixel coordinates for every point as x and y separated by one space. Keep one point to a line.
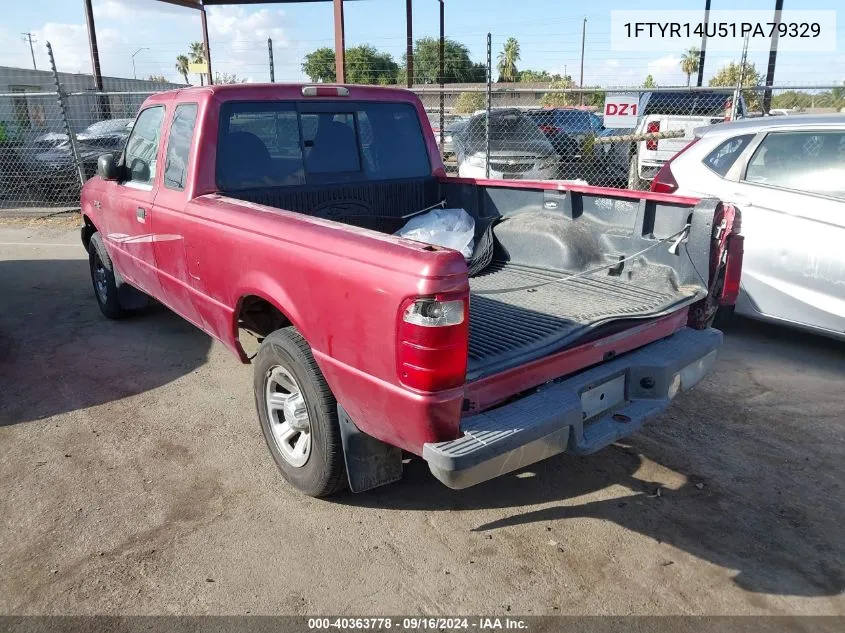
733 270
549 129
325 91
433 339
652 128
664 181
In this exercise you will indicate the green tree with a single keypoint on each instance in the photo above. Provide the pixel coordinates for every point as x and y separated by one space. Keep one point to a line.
182 62
197 53
366 65
508 57
536 76
729 76
158 78
228 78
469 102
649 82
559 99
792 99
689 62
319 65
457 66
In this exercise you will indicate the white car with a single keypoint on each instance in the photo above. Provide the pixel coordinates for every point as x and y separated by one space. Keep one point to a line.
787 177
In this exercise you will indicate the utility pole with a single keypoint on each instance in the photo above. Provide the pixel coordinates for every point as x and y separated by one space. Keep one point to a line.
272 68
441 69
28 36
703 44
773 55
409 44
143 48
581 82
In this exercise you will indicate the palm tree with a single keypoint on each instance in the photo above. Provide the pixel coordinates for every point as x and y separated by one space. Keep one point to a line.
507 60
197 53
182 62
689 62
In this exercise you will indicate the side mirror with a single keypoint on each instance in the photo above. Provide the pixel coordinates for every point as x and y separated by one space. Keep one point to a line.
107 167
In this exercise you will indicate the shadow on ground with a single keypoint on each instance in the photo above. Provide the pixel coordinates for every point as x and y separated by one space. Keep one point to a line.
59 354
761 491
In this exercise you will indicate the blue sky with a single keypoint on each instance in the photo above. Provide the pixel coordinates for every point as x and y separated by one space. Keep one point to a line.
549 32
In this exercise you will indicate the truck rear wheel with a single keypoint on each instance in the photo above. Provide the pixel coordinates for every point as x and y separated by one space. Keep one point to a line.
298 414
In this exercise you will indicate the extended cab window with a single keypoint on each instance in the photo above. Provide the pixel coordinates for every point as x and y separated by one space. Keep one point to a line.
179 146
724 156
268 144
812 161
141 150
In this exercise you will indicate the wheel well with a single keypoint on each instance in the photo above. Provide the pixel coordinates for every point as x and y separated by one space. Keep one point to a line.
257 318
88 229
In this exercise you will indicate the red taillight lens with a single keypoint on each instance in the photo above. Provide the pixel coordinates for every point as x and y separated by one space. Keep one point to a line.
733 270
549 129
433 339
652 128
664 181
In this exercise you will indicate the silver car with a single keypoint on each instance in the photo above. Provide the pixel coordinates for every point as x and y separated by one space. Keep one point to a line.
787 176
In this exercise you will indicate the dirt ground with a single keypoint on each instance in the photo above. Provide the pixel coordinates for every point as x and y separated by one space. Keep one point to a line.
135 481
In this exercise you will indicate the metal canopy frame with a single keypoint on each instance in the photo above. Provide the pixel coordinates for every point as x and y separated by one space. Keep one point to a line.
339 34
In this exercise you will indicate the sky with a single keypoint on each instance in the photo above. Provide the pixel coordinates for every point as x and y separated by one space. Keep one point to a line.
549 33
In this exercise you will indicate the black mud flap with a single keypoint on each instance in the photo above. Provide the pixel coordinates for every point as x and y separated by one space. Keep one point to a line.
370 463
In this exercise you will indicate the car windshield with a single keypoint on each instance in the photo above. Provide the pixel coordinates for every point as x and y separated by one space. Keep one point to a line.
107 127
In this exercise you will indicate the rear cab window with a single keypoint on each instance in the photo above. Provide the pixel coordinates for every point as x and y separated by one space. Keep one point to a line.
273 144
721 159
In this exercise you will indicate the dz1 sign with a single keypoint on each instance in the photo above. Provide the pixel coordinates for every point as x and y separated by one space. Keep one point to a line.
621 111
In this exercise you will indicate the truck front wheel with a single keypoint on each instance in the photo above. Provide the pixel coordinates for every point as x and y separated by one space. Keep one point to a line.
103 278
298 414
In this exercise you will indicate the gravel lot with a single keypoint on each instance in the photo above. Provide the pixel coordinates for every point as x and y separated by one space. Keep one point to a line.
135 480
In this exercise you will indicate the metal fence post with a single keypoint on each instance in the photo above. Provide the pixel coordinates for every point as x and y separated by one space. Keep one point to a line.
63 111
489 106
270 53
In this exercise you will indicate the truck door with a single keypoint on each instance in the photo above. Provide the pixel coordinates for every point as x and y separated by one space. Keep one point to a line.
127 219
172 225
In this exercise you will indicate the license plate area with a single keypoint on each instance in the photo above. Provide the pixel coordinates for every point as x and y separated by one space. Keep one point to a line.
603 397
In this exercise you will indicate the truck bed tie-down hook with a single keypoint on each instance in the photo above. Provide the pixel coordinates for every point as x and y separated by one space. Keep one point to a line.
677 237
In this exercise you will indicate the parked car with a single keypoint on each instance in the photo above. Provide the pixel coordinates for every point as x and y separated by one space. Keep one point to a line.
54 170
787 174
244 209
679 111
518 149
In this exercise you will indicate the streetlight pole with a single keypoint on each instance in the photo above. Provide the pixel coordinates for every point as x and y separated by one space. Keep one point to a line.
143 48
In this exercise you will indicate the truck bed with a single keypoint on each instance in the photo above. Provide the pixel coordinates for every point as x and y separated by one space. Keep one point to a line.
511 328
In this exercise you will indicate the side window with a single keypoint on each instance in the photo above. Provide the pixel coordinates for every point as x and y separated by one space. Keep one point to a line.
179 145
724 156
812 161
142 146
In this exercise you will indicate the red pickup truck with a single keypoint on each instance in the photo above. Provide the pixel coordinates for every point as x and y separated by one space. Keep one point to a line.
265 214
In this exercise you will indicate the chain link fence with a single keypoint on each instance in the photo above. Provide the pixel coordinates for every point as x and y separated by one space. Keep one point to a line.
53 128
561 134
533 131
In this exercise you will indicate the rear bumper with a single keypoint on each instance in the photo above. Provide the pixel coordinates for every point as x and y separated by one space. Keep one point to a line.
582 414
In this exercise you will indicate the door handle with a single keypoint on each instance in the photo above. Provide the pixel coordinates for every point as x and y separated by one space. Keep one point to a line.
141 214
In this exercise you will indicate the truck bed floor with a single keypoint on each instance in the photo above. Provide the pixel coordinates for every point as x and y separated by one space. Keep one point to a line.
515 327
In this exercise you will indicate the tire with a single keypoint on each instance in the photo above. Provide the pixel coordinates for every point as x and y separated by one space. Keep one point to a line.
103 279
285 372
634 180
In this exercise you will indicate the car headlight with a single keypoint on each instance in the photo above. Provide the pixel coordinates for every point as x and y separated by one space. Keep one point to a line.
447 138
477 160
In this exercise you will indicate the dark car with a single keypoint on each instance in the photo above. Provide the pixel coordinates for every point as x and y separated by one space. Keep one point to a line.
518 149
55 171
